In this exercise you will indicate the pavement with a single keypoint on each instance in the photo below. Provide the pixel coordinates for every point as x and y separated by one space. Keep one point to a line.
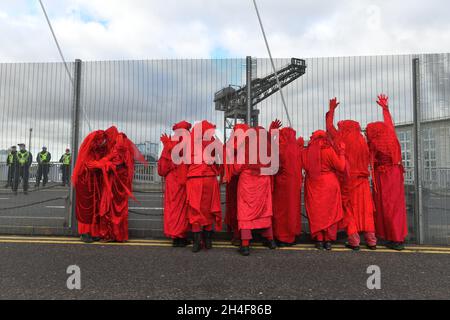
36 268
50 208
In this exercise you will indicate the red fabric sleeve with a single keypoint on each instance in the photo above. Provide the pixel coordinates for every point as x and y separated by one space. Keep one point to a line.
331 129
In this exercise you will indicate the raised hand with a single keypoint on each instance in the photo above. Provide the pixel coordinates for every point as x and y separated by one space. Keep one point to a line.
165 139
276 124
383 101
334 103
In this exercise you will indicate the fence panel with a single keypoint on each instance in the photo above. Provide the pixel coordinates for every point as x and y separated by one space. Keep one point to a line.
435 146
36 104
145 98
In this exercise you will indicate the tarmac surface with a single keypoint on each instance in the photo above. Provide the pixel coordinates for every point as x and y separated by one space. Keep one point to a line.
36 268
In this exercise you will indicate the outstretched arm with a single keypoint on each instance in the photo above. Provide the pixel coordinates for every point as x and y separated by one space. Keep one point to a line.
331 129
383 102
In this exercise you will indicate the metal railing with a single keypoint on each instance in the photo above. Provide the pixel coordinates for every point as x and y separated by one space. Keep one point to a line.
143 174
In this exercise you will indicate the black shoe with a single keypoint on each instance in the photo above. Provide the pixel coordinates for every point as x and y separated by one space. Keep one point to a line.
327 246
96 239
271 244
207 237
373 248
245 251
354 248
175 242
86 238
319 245
197 244
397 246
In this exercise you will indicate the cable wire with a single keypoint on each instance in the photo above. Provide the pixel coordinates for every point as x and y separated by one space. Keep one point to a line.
273 65
63 59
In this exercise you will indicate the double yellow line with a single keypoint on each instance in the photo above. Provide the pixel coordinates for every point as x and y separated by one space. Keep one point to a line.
217 244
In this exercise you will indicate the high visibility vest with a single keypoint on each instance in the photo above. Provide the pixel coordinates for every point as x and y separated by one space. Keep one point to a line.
66 159
23 157
10 159
43 156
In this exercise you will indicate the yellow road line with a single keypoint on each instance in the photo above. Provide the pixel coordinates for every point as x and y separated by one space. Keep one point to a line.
151 243
224 243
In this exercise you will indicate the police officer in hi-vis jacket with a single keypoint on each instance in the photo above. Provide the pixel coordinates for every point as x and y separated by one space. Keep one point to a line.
11 162
43 159
65 167
24 159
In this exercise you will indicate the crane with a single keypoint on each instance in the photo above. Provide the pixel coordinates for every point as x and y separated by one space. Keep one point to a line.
233 101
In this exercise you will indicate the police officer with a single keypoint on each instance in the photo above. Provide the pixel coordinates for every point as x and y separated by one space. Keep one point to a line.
43 159
11 162
24 159
65 167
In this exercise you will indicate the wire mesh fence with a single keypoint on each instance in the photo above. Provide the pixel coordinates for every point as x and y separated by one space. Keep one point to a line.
144 98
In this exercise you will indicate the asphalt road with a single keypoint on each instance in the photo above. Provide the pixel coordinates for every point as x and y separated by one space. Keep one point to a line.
152 270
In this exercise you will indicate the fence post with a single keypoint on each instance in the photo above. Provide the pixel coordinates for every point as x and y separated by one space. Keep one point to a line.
75 140
418 163
249 89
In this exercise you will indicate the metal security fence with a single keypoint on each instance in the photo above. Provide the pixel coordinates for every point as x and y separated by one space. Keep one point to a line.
40 105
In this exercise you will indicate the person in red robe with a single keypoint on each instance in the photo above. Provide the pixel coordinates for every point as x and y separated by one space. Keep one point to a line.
287 189
323 200
231 205
355 188
112 180
88 185
254 195
176 223
202 187
388 179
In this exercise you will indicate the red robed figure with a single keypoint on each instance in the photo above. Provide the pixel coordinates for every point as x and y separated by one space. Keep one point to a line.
88 183
254 190
355 188
231 178
104 213
323 200
288 188
387 175
176 223
203 194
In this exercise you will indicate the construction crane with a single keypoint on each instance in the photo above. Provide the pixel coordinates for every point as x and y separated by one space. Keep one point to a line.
233 101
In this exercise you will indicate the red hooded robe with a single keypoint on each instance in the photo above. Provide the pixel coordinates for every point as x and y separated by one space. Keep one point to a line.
323 200
254 194
355 188
176 223
202 187
387 175
288 188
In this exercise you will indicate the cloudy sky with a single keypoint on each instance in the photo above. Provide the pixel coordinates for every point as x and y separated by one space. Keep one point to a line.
148 29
